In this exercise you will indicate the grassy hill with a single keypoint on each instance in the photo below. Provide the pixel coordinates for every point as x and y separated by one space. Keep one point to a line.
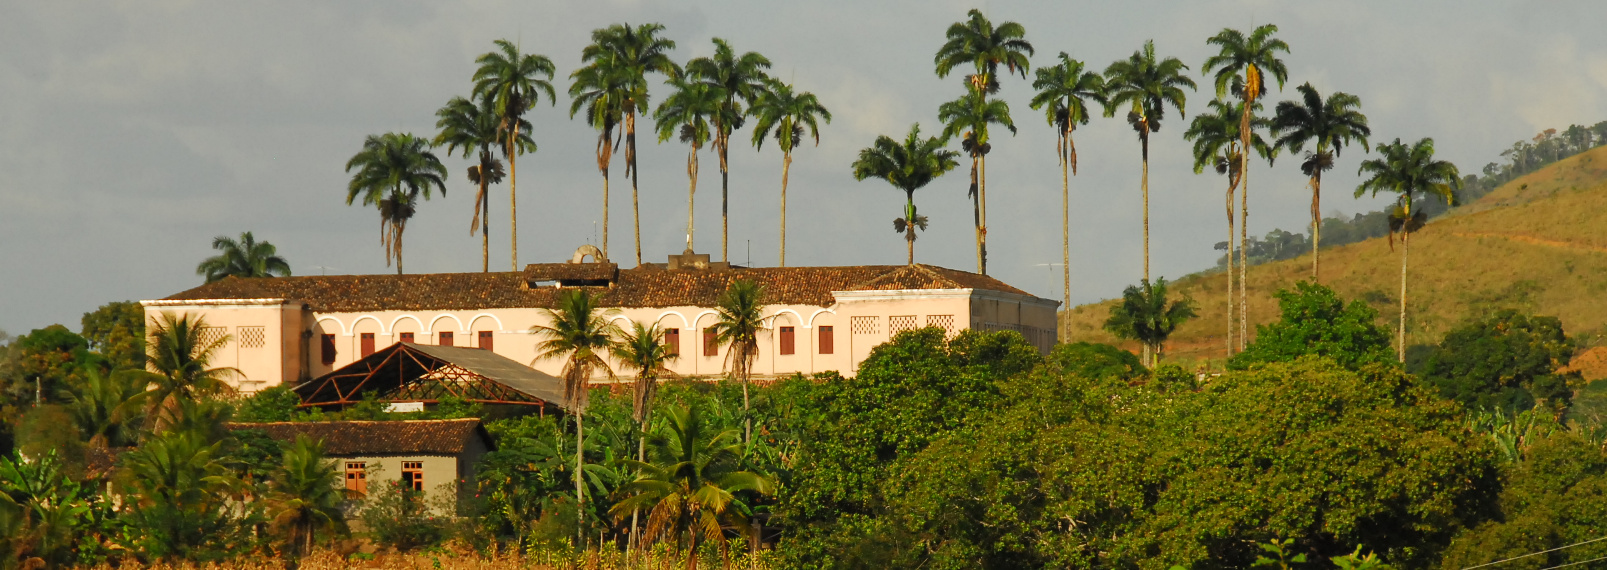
1538 244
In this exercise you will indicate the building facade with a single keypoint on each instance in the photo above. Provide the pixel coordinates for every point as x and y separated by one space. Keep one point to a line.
290 329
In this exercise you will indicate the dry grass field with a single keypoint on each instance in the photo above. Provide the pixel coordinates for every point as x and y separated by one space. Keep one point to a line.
1538 244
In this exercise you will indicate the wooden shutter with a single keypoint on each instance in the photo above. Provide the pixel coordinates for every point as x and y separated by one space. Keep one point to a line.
367 344
413 474
446 339
825 340
786 340
328 349
711 346
485 340
406 337
672 341
357 476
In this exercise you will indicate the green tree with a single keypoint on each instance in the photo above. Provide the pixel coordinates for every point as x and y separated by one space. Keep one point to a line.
1328 124
1216 145
580 333
117 331
642 348
303 498
1315 321
107 407
44 362
1146 85
741 79
1555 498
46 509
272 404
685 113
477 127
1505 361
908 166
785 115
245 258
739 316
599 89
1064 90
514 82
393 170
1094 361
1408 171
181 350
978 43
1149 317
178 495
968 118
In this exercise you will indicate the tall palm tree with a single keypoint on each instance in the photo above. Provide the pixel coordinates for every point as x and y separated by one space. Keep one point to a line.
630 54
968 118
741 80
690 486
580 333
1146 315
978 43
1408 171
393 170
1063 92
599 90
106 407
1240 68
785 115
1329 124
514 82
478 127
909 167
243 258
180 351
738 318
686 113
302 498
642 348
1216 145
1146 85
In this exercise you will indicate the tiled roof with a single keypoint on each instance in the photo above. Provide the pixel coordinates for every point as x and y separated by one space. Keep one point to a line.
640 287
570 271
433 437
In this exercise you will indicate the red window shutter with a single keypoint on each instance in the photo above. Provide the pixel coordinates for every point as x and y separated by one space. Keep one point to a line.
485 340
786 340
672 342
328 349
446 339
407 337
825 340
711 346
367 344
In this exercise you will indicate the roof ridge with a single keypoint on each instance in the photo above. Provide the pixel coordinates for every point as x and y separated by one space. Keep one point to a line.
295 423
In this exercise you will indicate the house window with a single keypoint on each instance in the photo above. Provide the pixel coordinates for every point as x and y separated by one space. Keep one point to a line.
367 344
672 342
825 339
446 339
328 349
357 476
406 337
711 343
413 475
485 340
786 340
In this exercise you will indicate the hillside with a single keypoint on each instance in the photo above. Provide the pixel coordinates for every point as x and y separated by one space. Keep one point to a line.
1537 243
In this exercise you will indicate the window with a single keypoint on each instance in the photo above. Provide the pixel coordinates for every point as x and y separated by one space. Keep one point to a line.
367 344
328 349
786 340
406 337
357 476
825 339
672 341
413 475
446 339
711 343
253 337
485 340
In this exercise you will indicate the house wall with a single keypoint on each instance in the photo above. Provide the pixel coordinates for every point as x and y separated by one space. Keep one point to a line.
263 336
441 473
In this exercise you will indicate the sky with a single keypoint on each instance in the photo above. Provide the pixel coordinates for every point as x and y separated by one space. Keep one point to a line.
132 133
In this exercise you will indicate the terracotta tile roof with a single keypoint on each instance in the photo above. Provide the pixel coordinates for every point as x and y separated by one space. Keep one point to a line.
641 287
431 437
571 271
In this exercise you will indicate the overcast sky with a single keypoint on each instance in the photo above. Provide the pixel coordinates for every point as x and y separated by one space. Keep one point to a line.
131 133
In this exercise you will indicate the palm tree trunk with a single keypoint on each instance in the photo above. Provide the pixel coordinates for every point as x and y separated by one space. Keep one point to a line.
1244 246
513 196
1143 139
1316 220
909 225
1406 234
976 210
605 211
786 166
1232 185
747 417
580 468
725 198
982 191
691 193
1065 237
635 543
398 244
485 221
630 163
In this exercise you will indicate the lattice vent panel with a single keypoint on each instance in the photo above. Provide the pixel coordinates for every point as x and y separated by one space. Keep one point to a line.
864 325
253 337
945 322
210 335
898 324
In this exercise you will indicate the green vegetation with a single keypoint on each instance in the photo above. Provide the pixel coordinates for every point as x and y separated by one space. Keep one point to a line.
785 115
1147 315
393 170
513 83
1505 361
243 258
1146 85
908 166
1063 92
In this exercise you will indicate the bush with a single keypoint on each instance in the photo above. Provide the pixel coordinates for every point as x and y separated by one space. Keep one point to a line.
402 518
276 404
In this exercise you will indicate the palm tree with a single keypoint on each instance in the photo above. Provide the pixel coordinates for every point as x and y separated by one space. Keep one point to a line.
968 118
580 333
978 43
739 316
686 113
1146 84
1240 66
303 497
599 89
787 114
513 81
1216 145
179 493
643 349
1063 89
243 258
690 486
630 54
180 350
1145 315
1330 125
909 167
478 127
107 406
1408 171
392 171
741 79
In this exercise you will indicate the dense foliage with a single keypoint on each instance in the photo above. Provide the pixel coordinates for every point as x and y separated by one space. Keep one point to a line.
1313 320
1507 360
